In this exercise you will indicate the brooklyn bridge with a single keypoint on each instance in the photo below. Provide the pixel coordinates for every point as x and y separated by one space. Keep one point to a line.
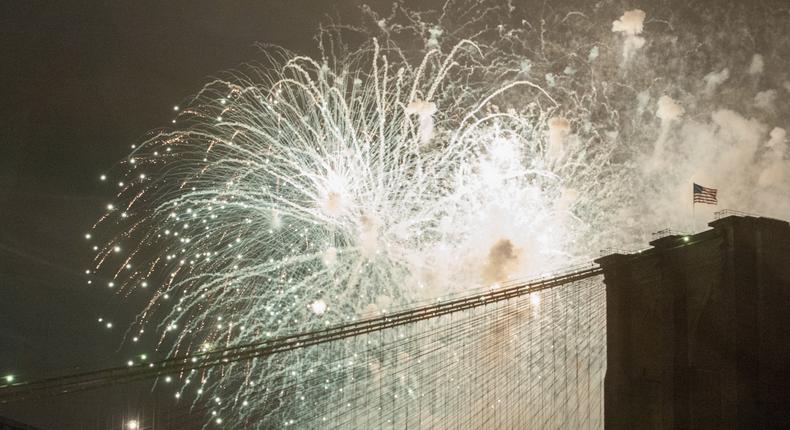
688 333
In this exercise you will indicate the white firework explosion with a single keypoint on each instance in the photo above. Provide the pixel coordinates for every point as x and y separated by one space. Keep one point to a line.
308 193
307 196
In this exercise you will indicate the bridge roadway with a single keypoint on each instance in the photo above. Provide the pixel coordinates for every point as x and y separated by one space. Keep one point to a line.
105 377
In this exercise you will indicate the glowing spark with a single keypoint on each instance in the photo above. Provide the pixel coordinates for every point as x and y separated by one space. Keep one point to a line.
318 307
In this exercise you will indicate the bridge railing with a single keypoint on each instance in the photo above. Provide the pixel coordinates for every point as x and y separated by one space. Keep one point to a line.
724 213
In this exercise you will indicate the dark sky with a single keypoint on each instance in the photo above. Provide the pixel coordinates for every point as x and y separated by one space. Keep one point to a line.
82 81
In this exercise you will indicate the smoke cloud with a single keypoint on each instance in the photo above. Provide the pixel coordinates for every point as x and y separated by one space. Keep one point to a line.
631 25
502 261
559 129
757 65
765 100
714 79
668 111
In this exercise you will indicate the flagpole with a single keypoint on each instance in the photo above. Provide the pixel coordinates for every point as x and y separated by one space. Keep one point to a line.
693 207
693 216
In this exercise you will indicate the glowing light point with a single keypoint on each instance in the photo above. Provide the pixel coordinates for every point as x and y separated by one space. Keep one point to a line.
9 378
133 425
318 307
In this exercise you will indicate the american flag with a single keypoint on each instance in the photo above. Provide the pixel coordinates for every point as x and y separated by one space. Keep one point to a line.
704 195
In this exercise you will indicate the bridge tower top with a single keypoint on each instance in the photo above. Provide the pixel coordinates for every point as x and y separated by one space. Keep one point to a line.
696 329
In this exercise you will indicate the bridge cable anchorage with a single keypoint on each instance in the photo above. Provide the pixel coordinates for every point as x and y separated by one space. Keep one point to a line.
104 377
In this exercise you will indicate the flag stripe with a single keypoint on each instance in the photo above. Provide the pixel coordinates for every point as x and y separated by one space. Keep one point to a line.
705 195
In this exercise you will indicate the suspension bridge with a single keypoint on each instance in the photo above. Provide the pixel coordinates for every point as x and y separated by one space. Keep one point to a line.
668 330
528 353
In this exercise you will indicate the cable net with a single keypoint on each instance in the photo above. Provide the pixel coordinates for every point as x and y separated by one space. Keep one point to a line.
535 361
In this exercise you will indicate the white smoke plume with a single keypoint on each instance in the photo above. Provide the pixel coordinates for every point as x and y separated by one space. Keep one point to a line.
757 65
631 45
766 100
559 129
631 25
668 111
778 141
775 165
714 79
424 111
730 152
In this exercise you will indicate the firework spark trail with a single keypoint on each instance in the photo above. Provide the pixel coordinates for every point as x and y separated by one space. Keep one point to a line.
308 193
317 192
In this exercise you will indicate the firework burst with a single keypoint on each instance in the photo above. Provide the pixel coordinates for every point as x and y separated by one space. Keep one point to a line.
306 193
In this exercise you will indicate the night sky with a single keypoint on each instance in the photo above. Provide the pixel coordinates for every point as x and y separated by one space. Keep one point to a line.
81 82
